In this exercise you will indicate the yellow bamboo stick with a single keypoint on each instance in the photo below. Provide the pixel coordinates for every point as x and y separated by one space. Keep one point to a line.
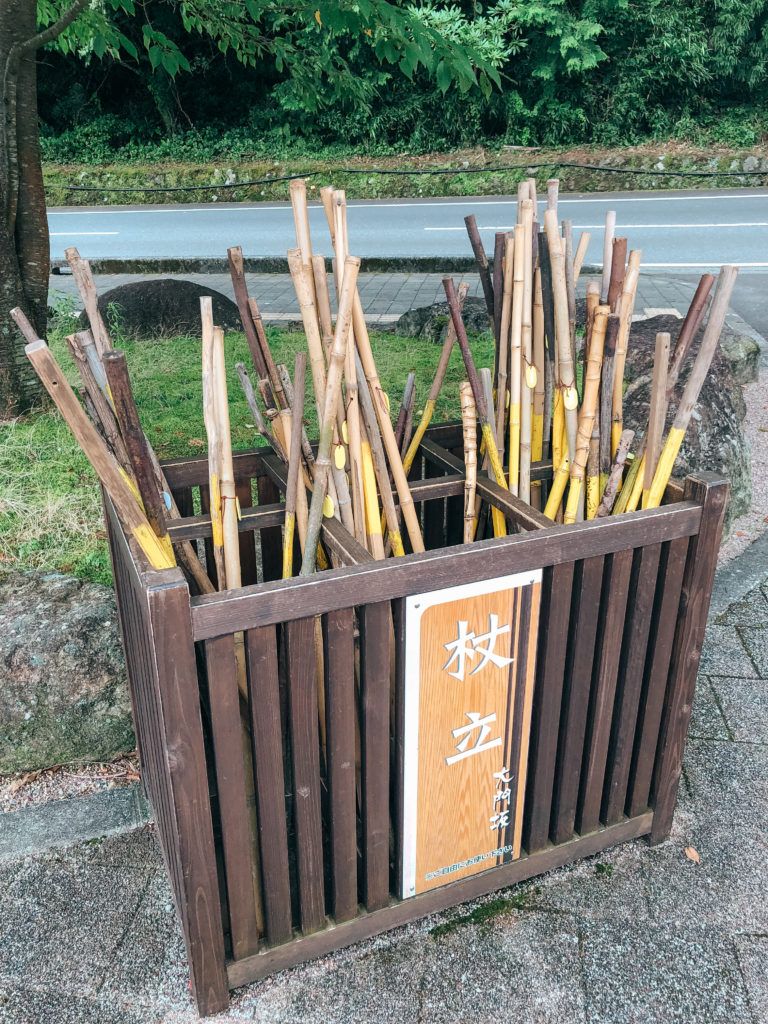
557 490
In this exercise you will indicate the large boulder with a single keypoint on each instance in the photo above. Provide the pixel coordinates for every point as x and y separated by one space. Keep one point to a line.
162 307
429 323
63 696
714 439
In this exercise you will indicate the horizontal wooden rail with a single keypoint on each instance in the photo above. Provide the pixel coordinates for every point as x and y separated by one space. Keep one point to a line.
334 937
393 578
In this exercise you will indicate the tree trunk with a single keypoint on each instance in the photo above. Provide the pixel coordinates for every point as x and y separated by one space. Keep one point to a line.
24 245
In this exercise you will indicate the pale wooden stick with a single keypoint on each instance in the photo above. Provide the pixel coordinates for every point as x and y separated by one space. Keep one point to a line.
258 419
610 230
618 273
628 294
86 286
717 314
528 376
580 254
294 464
537 426
515 361
298 191
657 412
341 341
227 480
215 444
323 295
502 363
406 403
101 404
469 431
553 188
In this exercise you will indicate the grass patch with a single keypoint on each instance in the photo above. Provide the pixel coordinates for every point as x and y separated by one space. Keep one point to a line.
483 914
50 512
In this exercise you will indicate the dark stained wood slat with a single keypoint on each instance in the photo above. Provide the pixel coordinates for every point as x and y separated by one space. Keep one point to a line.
432 902
393 578
246 539
251 519
271 538
192 472
454 514
305 757
616 591
224 701
266 734
655 686
633 657
578 679
434 513
547 697
340 711
712 493
375 631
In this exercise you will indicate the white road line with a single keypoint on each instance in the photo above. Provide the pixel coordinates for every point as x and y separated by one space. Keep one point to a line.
219 208
69 234
619 224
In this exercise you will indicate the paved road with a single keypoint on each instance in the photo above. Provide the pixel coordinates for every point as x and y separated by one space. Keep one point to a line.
681 231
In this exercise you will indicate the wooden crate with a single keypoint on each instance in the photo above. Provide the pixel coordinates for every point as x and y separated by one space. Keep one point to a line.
623 612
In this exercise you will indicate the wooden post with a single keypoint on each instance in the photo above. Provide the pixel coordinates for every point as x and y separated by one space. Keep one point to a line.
190 842
711 492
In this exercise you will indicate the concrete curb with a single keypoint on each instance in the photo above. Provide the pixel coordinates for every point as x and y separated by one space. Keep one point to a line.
58 823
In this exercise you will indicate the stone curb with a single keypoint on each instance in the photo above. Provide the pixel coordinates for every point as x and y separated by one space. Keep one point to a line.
59 823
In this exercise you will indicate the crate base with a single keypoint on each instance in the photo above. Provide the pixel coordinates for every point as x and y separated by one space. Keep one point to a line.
398 913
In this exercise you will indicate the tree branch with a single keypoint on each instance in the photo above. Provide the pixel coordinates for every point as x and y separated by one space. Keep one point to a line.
50 33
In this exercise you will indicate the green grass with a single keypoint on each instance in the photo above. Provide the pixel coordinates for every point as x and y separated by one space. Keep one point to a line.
482 914
50 513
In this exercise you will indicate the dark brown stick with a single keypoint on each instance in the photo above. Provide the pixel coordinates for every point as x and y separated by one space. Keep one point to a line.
618 270
611 488
482 265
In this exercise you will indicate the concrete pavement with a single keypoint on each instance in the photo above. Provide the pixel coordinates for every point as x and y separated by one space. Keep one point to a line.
680 231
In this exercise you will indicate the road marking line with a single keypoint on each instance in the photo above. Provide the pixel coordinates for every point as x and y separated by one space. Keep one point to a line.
69 234
598 227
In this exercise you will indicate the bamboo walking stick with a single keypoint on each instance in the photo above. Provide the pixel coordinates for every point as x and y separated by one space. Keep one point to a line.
606 398
499 524
553 189
502 349
709 342
625 324
657 413
341 341
528 376
240 289
406 403
515 362
229 509
86 286
610 231
469 433
614 477
294 464
499 243
298 191
101 404
482 264
104 464
557 490
323 295
567 383
588 413
258 419
570 283
537 427
437 383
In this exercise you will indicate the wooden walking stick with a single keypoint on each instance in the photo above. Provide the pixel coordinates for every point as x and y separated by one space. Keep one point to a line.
614 477
625 324
610 230
258 420
548 311
588 413
261 334
294 464
515 362
709 342
101 404
482 264
379 471
298 190
229 509
437 383
499 524
341 340
580 254
606 398
86 286
102 460
499 243
570 282
469 432
240 289
406 403
553 189
537 427
657 413
618 271
323 296
215 444
567 383
528 375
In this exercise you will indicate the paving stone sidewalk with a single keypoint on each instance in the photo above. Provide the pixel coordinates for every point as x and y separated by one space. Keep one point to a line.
88 934
385 296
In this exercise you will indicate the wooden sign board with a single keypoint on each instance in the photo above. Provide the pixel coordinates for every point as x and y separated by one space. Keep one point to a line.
470 654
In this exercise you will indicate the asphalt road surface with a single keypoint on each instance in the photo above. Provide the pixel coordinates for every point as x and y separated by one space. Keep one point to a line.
675 230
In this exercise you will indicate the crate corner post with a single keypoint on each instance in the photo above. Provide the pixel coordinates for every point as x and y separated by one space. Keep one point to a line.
710 491
191 844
